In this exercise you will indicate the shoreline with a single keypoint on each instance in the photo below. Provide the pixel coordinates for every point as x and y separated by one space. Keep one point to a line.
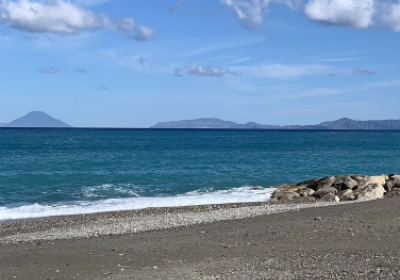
342 241
139 220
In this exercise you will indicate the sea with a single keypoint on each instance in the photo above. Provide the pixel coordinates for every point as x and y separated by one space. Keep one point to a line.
55 172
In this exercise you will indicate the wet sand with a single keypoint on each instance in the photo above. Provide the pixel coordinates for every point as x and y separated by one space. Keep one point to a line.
348 241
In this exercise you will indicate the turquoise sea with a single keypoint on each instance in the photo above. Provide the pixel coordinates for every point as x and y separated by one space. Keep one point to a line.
45 172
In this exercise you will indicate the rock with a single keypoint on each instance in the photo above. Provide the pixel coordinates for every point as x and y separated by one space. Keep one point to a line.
395 192
311 184
346 195
329 197
344 183
381 179
307 199
325 182
393 182
360 179
284 187
284 196
322 192
371 191
306 192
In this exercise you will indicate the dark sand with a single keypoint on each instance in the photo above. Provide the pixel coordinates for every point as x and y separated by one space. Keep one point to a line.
351 241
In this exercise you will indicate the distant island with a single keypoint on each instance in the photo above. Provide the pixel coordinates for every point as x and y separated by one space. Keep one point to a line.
41 119
341 124
36 119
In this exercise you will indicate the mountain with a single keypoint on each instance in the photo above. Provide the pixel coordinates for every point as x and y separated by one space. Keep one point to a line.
199 123
2 124
36 119
344 124
352 124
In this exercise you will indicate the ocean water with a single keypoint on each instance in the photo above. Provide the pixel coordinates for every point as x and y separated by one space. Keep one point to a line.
47 172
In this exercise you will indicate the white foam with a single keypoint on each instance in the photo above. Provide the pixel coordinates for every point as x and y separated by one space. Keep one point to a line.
236 195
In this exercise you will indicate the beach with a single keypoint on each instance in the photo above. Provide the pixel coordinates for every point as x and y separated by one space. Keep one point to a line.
346 241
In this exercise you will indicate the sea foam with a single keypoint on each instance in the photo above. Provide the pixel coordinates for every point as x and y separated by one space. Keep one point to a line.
235 195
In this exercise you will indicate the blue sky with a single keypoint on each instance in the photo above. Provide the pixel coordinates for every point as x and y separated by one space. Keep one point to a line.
121 63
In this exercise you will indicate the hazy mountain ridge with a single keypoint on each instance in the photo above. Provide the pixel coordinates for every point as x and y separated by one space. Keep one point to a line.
198 123
344 123
36 119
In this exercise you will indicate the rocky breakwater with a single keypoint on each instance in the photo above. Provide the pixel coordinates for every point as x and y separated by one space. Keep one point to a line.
338 188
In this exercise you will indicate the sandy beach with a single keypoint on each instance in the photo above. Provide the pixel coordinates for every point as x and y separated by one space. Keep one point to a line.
257 241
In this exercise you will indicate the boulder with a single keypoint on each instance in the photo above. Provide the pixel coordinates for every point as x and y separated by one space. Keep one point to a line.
308 199
306 192
284 196
360 179
324 191
393 182
371 191
395 192
344 183
325 182
346 195
328 197
381 179
311 184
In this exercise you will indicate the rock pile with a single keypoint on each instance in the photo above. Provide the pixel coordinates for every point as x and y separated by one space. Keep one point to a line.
339 188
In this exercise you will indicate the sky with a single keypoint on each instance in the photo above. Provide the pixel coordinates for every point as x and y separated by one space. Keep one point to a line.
133 63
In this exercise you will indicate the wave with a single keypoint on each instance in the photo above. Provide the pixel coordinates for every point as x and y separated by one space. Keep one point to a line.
235 195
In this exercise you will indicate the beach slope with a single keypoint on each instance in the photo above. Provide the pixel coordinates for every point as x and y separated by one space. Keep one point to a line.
349 241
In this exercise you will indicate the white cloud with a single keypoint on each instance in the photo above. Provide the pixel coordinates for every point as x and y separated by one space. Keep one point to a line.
250 13
126 24
284 71
207 71
355 13
143 34
63 17
52 17
196 70
390 16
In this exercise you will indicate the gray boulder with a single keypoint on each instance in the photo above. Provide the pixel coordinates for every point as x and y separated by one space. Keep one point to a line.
284 196
371 191
324 191
360 179
395 192
329 197
393 182
346 195
326 182
306 192
344 182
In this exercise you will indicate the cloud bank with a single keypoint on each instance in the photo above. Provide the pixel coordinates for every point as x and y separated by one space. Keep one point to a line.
358 14
204 71
63 17
354 13
249 13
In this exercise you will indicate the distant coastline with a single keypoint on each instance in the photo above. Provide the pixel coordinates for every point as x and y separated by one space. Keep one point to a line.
341 124
38 119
